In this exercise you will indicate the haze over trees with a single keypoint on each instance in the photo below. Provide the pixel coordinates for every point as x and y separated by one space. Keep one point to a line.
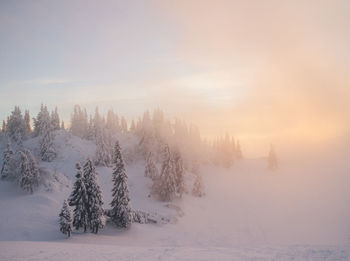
171 151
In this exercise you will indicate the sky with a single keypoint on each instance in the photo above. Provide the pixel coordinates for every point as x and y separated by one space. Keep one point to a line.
264 71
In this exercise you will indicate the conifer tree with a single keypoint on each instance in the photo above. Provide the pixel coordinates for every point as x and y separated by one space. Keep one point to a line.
27 122
7 169
29 174
121 208
165 185
103 150
62 126
16 128
179 173
272 159
94 197
47 148
55 120
78 199
151 169
79 122
66 219
124 125
198 189
112 122
42 121
132 126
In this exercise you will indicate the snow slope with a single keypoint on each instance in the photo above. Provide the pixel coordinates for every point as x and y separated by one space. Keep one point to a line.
297 213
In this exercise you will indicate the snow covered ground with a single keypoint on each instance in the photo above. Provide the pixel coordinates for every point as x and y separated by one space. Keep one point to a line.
20 250
300 212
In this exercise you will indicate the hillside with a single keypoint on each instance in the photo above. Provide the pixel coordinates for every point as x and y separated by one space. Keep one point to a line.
243 214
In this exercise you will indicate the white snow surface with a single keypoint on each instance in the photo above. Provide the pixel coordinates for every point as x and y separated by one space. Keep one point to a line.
300 212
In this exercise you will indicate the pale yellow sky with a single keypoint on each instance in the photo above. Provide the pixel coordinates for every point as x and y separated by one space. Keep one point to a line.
278 69
264 71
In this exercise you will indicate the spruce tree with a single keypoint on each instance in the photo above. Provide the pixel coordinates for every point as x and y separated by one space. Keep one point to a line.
165 185
66 219
47 148
151 169
16 128
103 150
27 122
124 125
78 199
121 208
7 169
79 122
179 173
29 171
94 197
198 189
42 121
55 120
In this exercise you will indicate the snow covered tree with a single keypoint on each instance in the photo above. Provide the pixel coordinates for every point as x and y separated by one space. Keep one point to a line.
94 197
66 219
62 126
7 169
55 120
29 173
121 209
103 148
124 125
79 122
16 128
165 185
151 169
42 121
132 127
79 200
272 159
47 148
27 122
198 188
112 123
179 173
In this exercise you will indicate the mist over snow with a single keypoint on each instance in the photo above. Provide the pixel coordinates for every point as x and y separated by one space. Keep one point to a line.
245 209
175 130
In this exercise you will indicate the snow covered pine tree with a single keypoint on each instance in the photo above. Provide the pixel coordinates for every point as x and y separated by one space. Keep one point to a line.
165 185
7 168
198 189
179 173
151 170
121 209
78 199
94 197
29 174
47 148
66 219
